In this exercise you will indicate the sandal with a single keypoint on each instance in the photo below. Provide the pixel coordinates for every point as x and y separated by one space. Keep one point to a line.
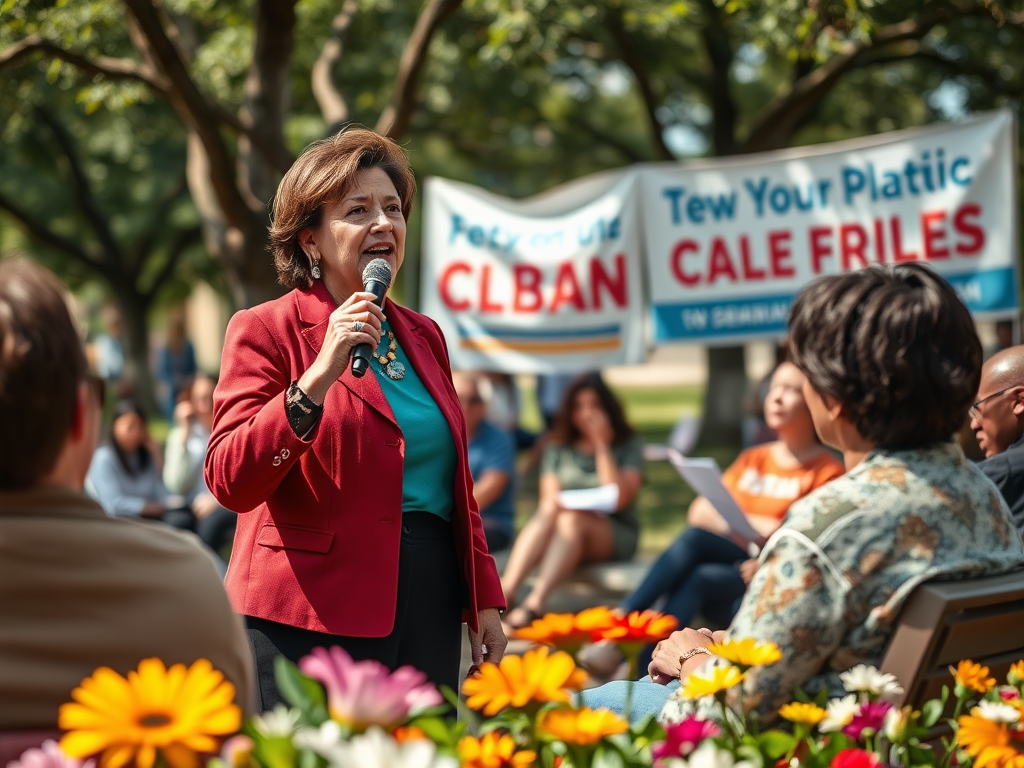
520 617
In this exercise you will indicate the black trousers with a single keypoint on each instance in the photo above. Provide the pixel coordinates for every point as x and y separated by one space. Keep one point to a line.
428 616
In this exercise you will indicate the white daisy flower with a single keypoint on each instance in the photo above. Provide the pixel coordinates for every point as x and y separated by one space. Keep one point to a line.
865 679
280 721
840 713
996 712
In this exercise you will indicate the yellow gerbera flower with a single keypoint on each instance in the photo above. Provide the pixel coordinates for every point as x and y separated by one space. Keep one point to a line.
1016 674
178 711
747 652
973 676
720 679
580 726
801 712
493 750
990 744
535 676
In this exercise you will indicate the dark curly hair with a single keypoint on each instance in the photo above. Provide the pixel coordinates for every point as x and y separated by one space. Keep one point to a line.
895 346
564 432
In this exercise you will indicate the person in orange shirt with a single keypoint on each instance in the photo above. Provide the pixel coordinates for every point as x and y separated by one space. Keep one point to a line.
706 569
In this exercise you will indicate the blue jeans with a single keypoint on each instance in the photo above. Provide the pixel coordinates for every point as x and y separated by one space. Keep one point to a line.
648 697
696 573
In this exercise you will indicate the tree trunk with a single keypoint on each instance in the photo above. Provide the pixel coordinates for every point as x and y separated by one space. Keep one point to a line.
723 399
136 353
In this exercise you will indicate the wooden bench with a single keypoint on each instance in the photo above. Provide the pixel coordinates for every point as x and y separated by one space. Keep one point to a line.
944 622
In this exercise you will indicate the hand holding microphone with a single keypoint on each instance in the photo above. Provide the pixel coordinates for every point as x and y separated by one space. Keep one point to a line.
353 330
376 281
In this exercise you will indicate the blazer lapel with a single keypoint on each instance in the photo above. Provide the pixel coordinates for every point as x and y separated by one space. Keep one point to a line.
413 336
315 306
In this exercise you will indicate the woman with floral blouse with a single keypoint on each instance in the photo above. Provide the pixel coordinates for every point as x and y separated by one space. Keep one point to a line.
892 361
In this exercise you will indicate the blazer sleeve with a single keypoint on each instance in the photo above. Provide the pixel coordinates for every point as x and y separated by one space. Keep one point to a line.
252 445
488 584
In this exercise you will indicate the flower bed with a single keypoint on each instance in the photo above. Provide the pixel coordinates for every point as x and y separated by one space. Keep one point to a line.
522 712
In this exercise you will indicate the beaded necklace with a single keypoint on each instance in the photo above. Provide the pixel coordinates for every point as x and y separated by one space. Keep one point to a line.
388 361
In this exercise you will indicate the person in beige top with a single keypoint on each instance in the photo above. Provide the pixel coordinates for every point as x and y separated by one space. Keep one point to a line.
78 589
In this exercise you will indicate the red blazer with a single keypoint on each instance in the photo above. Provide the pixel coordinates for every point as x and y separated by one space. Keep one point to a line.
318 539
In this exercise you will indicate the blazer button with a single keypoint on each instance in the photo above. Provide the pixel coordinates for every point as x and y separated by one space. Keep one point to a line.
285 453
277 461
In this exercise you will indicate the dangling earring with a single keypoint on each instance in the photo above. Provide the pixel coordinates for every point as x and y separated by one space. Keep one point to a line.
316 269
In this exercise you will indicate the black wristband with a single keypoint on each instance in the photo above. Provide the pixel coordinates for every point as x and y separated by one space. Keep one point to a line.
303 413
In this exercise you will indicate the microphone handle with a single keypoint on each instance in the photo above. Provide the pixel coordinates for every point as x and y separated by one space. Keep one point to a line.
363 353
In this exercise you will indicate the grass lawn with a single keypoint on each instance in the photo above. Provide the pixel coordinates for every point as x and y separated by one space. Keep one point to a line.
664 497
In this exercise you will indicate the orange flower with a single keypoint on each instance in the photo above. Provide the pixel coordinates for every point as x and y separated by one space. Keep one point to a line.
992 745
973 676
535 676
493 750
404 733
580 726
568 630
637 628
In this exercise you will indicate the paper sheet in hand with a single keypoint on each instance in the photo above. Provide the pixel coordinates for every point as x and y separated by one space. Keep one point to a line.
705 478
603 499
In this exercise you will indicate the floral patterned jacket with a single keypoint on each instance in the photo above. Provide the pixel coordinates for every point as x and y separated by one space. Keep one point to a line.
833 578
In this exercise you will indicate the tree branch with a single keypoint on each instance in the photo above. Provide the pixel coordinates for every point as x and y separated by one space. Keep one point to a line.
604 137
38 231
266 98
100 66
193 107
328 97
160 213
83 193
394 120
183 238
720 57
632 59
784 113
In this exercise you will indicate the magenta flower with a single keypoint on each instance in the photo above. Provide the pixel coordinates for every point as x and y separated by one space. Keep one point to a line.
365 693
1008 693
869 720
48 756
682 738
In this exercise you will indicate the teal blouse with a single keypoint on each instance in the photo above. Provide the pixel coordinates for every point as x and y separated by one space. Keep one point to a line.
428 478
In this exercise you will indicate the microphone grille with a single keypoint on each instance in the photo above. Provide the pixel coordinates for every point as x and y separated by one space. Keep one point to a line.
379 271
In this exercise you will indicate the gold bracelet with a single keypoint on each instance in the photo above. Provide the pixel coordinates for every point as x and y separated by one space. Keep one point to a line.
691 653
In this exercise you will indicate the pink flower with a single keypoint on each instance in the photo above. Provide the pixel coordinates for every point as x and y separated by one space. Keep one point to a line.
682 738
364 693
855 758
869 720
1008 693
48 756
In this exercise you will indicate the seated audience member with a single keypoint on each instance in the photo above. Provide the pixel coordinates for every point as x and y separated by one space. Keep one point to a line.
124 476
184 454
700 571
80 589
997 418
591 445
492 464
892 362
503 406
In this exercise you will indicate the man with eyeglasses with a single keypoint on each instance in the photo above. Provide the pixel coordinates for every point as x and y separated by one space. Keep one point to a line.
997 418
79 589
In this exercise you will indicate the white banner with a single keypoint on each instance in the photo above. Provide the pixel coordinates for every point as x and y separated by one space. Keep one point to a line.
547 285
729 243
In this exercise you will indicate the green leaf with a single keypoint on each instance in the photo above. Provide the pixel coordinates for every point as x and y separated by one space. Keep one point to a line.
931 712
301 692
775 744
607 757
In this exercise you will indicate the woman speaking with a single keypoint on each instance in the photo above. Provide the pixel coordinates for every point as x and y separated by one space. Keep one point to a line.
359 527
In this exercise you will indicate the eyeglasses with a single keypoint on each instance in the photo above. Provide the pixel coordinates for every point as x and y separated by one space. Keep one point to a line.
974 411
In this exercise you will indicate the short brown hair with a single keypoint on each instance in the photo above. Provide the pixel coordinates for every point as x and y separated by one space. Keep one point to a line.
41 365
321 175
565 433
895 346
